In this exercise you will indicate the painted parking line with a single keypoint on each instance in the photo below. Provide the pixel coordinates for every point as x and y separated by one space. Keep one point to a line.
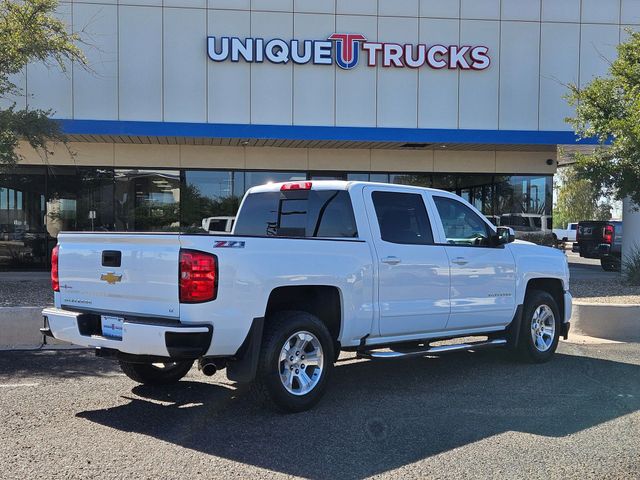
18 385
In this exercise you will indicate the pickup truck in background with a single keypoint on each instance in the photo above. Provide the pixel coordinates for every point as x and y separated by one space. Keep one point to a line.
218 224
311 269
601 240
566 234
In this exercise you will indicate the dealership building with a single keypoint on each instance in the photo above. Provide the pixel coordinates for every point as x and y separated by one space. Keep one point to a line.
186 104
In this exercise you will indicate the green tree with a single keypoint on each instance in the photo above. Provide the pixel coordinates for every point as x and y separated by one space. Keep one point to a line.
609 109
577 199
30 32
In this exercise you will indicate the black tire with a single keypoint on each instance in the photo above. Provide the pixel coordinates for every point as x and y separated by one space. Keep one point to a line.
610 264
527 349
268 386
150 374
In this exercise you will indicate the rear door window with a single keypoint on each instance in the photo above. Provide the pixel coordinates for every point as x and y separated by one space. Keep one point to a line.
298 213
402 218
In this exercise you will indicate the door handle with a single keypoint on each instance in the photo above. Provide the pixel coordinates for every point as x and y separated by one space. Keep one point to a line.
391 260
459 261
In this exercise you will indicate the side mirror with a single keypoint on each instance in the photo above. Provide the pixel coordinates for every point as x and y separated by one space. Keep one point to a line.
505 235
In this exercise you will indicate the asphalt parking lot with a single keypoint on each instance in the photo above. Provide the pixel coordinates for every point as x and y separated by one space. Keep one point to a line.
588 269
68 414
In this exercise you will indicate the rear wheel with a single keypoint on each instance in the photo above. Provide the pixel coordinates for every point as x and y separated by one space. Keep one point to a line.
156 373
295 362
540 330
610 264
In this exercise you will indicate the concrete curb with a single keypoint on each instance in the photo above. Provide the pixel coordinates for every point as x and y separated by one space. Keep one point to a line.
19 328
619 322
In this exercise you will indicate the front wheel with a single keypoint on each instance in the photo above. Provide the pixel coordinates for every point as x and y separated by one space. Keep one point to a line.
295 361
156 373
540 330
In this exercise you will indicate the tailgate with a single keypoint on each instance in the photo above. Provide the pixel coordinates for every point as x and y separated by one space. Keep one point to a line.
590 232
124 273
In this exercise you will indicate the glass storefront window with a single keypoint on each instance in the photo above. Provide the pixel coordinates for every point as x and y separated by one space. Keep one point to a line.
414 179
101 199
327 176
22 233
238 184
358 177
79 199
524 202
477 190
260 178
207 194
147 200
379 177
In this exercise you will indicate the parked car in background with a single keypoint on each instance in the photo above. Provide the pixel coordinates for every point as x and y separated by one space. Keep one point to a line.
601 239
218 224
311 269
527 224
566 234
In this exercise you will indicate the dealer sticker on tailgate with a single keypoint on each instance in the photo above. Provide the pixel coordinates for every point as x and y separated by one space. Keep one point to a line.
112 326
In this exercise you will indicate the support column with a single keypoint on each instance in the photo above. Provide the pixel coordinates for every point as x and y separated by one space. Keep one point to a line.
630 228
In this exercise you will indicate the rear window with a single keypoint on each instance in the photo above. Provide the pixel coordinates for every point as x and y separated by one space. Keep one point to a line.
298 213
218 225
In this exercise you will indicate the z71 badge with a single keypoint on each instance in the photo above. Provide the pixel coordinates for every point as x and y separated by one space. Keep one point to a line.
228 245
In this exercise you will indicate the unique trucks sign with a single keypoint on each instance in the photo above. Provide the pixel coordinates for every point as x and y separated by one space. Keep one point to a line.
345 49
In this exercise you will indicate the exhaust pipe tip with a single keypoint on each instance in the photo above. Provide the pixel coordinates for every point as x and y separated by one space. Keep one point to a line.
209 369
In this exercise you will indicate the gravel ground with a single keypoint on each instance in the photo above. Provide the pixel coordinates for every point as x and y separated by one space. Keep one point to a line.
25 293
609 291
471 415
589 283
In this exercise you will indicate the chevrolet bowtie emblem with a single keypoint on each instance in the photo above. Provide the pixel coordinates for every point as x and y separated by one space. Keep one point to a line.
111 278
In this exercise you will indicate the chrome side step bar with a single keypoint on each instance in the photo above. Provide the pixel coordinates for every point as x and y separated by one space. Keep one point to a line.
373 354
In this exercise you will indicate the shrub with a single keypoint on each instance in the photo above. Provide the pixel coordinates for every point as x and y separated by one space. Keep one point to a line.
631 266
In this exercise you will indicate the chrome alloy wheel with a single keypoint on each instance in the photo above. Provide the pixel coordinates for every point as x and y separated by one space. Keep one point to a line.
543 328
301 362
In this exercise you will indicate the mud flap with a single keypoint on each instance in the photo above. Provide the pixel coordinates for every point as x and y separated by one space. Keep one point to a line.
513 331
245 364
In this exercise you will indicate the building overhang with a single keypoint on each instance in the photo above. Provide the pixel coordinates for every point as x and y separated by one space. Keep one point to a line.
299 136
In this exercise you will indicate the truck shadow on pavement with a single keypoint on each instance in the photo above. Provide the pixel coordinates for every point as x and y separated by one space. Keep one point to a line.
380 416
59 364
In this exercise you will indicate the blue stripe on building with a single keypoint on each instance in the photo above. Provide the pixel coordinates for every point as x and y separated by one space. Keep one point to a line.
321 133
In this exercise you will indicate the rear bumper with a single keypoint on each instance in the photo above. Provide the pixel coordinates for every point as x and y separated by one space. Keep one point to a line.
155 340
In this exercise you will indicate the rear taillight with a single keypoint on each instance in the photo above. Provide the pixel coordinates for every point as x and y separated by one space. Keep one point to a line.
607 234
55 279
578 233
198 276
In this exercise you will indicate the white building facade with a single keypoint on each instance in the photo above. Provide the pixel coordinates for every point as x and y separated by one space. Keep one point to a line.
186 104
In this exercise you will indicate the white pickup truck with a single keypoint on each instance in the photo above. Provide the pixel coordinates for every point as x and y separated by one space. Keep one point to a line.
566 234
311 269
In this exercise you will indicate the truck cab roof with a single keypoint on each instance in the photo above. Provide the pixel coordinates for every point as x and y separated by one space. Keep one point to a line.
333 185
